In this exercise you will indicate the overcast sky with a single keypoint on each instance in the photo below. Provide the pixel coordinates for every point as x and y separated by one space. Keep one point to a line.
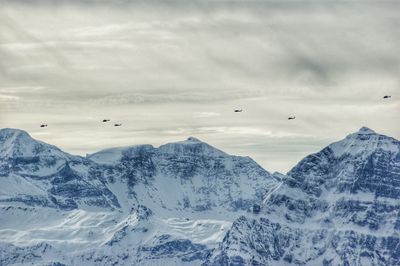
168 70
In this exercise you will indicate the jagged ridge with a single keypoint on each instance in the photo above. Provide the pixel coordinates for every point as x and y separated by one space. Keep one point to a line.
336 207
173 204
190 192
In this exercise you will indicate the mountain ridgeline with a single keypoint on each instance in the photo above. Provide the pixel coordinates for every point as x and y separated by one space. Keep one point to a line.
188 203
339 206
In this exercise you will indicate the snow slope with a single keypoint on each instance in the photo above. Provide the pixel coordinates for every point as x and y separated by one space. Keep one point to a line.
188 203
339 206
129 205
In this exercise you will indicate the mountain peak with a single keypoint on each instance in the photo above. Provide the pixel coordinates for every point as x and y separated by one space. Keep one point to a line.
14 142
365 141
193 139
8 133
349 164
18 143
191 146
366 130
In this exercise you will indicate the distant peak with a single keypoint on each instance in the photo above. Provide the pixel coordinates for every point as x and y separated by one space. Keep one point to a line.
13 132
18 143
12 135
191 146
366 130
365 141
193 139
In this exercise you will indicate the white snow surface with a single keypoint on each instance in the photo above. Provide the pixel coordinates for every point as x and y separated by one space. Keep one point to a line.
356 144
326 211
18 143
194 205
182 191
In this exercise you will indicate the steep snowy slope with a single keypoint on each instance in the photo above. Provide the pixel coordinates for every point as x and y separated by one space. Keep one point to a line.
185 177
38 174
339 206
131 205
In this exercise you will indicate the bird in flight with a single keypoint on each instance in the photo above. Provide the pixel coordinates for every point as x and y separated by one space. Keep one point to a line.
43 125
106 120
117 125
291 117
238 111
387 97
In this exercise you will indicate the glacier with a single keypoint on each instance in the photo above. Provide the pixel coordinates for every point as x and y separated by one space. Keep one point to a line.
189 203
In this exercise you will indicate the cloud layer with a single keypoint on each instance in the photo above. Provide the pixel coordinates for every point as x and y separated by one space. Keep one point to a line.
170 69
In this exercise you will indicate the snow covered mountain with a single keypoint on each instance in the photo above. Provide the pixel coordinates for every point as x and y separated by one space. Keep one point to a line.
139 204
186 177
340 206
34 173
188 203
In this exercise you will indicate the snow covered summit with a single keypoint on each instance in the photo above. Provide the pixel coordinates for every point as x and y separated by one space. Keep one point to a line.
336 207
186 175
364 161
16 143
127 205
188 203
365 141
191 147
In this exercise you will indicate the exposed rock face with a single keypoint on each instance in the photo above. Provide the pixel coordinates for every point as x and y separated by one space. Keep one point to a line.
190 203
362 162
129 205
38 174
187 175
339 206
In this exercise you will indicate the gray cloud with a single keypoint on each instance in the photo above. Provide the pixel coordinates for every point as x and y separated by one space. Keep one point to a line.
169 69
